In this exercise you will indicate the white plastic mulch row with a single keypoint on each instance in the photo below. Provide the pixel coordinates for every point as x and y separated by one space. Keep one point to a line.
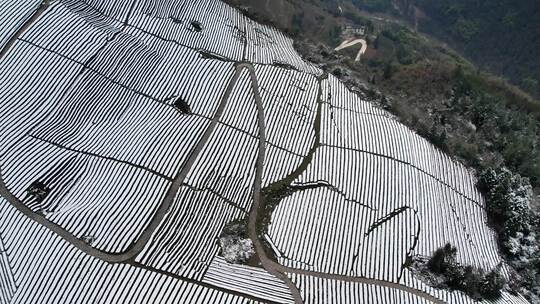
318 291
46 269
13 15
327 229
247 279
224 31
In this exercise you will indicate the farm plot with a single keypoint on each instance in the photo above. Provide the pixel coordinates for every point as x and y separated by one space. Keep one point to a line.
104 202
218 29
164 71
162 133
216 191
278 163
354 124
73 30
226 165
241 110
157 69
246 279
339 244
342 98
35 83
186 240
319 290
46 269
457 297
289 99
132 128
266 45
118 11
385 211
15 14
208 25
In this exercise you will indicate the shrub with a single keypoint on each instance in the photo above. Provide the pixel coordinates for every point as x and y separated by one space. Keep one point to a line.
474 281
442 259
388 70
492 285
508 197
468 279
508 200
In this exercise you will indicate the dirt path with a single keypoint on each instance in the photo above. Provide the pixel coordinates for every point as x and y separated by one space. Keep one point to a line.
37 13
277 269
134 249
368 281
267 264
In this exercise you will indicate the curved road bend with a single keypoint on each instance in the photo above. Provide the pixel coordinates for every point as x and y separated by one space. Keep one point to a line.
277 269
135 248
348 43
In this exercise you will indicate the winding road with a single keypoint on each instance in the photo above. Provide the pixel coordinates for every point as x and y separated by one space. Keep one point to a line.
348 43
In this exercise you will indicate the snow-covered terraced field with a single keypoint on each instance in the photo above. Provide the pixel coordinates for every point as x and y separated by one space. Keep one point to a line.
136 130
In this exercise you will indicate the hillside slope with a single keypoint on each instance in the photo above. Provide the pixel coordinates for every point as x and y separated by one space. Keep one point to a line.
136 133
502 36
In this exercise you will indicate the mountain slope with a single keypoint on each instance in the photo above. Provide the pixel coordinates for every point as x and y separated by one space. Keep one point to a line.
134 133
